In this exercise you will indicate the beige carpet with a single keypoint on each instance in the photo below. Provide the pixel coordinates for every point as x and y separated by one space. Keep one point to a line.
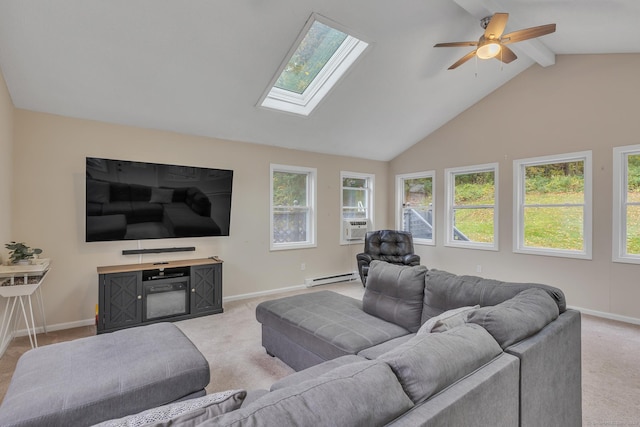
231 343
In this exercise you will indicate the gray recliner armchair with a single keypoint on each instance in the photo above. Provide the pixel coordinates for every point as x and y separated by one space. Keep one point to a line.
392 246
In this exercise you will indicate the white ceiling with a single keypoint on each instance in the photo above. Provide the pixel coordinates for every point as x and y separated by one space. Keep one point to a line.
200 66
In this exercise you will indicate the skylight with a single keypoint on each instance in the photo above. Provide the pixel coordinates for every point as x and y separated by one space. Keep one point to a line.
321 55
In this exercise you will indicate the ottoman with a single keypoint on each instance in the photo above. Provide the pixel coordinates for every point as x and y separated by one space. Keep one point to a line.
308 329
93 379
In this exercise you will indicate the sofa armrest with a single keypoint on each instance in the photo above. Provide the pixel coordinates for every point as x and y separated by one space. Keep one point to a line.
550 374
486 397
411 259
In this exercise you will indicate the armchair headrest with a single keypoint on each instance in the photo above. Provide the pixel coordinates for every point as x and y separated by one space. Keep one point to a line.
394 243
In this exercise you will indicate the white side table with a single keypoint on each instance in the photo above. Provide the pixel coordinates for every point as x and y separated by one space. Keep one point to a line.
22 281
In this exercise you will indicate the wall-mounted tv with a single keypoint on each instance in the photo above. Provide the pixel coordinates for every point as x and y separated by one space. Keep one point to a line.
127 200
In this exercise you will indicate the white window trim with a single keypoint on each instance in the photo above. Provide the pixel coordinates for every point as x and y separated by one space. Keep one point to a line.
311 201
303 104
450 173
370 199
400 200
620 179
518 205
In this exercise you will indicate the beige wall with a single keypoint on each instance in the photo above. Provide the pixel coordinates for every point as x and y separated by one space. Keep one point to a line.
583 102
6 166
48 210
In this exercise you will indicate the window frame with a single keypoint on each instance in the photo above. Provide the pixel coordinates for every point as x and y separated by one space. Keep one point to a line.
519 182
450 208
400 180
370 202
338 65
311 207
620 203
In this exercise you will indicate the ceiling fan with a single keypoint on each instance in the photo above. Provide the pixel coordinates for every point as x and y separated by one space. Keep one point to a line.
493 44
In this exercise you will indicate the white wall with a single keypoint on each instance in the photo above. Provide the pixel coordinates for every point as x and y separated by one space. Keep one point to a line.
48 209
583 102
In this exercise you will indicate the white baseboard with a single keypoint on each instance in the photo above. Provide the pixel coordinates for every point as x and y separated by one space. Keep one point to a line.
263 293
605 315
50 328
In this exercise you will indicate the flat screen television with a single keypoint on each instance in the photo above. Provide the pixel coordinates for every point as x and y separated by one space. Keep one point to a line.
127 200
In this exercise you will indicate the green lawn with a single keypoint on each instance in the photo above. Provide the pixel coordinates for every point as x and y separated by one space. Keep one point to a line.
552 227
546 227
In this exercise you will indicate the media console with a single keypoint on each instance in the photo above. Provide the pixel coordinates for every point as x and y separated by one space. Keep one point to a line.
139 294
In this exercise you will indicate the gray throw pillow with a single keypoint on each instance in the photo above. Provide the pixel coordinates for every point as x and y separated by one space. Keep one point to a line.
517 318
210 405
395 293
447 320
161 195
428 363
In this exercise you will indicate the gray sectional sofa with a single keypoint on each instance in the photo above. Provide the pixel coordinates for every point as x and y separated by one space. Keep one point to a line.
530 376
422 348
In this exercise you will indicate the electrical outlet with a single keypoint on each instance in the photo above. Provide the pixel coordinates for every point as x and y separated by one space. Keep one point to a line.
303 266
478 268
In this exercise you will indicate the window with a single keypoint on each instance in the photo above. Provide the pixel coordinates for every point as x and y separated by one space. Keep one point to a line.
357 198
415 201
322 54
626 204
293 201
552 205
472 202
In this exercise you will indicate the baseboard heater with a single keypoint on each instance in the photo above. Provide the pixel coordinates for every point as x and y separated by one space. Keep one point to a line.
331 279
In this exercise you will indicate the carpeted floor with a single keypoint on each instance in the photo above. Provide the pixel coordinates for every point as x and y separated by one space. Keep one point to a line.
231 343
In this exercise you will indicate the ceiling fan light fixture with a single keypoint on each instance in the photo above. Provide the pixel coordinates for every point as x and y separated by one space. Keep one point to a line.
489 49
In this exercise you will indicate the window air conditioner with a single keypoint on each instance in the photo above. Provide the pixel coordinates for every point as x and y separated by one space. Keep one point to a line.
356 229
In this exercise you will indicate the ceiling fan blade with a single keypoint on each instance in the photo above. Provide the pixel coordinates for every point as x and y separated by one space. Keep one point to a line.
462 60
456 44
528 33
496 26
506 55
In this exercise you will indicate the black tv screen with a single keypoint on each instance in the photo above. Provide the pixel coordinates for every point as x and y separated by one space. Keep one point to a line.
127 200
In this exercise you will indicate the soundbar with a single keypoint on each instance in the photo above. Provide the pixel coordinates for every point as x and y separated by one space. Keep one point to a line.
157 250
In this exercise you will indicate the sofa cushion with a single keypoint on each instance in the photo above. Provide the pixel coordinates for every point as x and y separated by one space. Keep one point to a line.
395 293
120 192
374 398
326 323
447 320
101 377
517 318
376 351
161 195
444 291
208 406
428 363
315 371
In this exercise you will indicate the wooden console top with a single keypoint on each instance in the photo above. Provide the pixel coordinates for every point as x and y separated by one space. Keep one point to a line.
153 265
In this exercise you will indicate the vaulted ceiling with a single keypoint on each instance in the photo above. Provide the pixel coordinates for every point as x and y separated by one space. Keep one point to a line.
201 66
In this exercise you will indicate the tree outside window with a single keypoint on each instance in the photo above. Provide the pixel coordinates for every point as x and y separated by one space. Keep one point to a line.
357 199
553 205
472 207
626 204
292 207
415 195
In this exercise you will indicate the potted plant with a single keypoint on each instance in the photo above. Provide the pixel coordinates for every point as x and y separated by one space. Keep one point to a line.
19 253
